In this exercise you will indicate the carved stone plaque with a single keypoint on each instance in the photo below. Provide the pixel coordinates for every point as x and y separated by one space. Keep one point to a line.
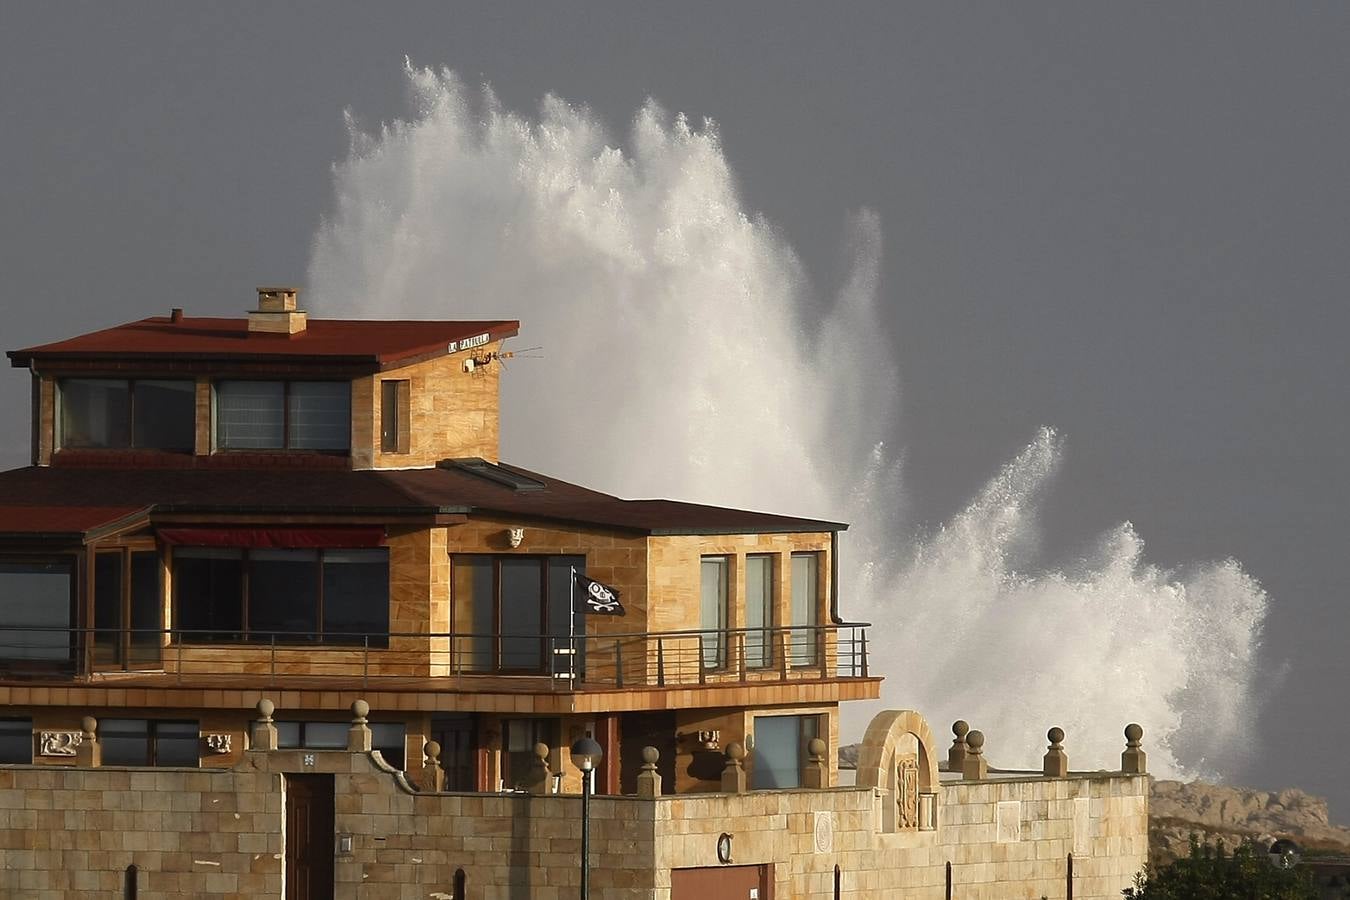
824 832
907 792
218 743
59 743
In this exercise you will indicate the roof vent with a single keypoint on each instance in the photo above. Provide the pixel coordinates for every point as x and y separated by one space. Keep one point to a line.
277 312
494 473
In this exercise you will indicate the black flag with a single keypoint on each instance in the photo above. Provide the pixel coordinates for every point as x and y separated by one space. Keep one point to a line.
601 599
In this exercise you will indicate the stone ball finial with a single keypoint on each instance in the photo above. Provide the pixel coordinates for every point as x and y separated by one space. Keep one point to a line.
816 748
960 728
735 751
541 750
975 741
1056 736
360 709
1134 733
650 755
432 750
89 725
265 709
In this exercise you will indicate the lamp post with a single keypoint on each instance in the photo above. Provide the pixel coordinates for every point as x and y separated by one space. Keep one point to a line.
585 754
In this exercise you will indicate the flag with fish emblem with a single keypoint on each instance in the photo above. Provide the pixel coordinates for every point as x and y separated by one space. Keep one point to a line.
600 599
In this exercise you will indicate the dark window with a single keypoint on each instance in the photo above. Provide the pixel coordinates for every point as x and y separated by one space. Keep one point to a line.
109 413
510 613
395 409
520 737
458 737
386 737
16 741
460 885
283 415
149 742
336 596
36 600
780 750
127 612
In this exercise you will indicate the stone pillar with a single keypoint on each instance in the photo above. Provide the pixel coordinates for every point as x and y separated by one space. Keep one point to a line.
733 775
1056 761
817 774
1133 761
649 780
358 736
432 773
976 767
89 755
956 754
540 778
264 729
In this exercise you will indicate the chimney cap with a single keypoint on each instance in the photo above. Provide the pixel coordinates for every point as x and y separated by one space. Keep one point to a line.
176 314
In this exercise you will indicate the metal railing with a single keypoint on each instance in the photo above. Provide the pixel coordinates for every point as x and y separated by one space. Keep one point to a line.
532 662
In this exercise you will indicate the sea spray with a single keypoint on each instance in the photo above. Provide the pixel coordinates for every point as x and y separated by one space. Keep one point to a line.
685 355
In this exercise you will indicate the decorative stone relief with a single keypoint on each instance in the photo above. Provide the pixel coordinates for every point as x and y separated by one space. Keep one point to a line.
907 792
59 743
824 832
218 743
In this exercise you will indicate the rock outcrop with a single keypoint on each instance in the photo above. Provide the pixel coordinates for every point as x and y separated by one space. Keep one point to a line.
1232 814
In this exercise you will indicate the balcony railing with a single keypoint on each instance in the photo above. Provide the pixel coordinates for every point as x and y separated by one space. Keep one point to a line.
617 659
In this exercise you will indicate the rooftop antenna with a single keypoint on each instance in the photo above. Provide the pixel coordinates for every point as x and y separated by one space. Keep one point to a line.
475 363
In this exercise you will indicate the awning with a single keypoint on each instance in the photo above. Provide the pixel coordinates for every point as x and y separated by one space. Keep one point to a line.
336 538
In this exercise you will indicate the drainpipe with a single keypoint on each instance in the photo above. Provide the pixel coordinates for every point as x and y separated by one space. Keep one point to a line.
834 578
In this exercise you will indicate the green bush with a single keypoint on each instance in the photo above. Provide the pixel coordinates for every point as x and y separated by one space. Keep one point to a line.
1208 873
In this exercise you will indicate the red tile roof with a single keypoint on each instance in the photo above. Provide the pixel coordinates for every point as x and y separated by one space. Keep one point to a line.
59 521
345 340
71 492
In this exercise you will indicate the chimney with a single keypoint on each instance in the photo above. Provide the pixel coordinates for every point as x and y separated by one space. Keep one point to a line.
276 312
176 315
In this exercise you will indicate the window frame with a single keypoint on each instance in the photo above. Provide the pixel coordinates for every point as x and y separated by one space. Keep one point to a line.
15 720
494 666
301 743
152 739
125 654
59 441
714 656
804 648
286 434
395 411
68 664
320 636
803 740
767 651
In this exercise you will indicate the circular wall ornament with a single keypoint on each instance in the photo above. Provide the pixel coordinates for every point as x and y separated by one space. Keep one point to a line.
724 848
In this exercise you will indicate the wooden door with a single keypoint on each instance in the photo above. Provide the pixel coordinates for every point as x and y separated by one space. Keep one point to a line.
722 883
309 837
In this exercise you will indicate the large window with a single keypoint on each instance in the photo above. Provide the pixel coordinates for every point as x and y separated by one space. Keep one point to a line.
780 750
283 415
758 611
36 602
512 612
805 609
335 596
128 615
386 737
149 742
713 610
519 738
110 413
16 741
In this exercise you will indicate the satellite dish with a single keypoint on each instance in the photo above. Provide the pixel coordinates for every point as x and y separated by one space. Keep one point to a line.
1285 854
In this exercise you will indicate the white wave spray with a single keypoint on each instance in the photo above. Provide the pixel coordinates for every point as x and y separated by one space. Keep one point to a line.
682 358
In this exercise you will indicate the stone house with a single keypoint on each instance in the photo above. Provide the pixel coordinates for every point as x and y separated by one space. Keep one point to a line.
237 533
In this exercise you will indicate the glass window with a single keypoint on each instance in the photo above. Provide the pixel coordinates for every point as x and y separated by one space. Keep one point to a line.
319 415
35 607
758 611
164 415
149 742
474 620
780 750
389 739
713 610
95 412
208 589
520 737
283 595
805 608
522 593
394 413
250 415
107 608
147 612
355 595
16 741
112 413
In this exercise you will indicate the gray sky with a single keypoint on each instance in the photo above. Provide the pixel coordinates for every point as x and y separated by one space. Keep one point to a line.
1127 221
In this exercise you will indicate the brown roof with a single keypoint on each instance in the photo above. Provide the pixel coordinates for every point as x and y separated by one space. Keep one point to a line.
70 494
60 521
332 340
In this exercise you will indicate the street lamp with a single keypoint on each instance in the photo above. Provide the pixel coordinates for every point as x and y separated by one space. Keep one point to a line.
585 754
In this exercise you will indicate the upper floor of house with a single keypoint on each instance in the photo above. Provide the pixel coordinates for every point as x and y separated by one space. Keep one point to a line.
273 388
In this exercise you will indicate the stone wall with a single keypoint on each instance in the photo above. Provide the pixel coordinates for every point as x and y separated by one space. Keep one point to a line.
204 833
